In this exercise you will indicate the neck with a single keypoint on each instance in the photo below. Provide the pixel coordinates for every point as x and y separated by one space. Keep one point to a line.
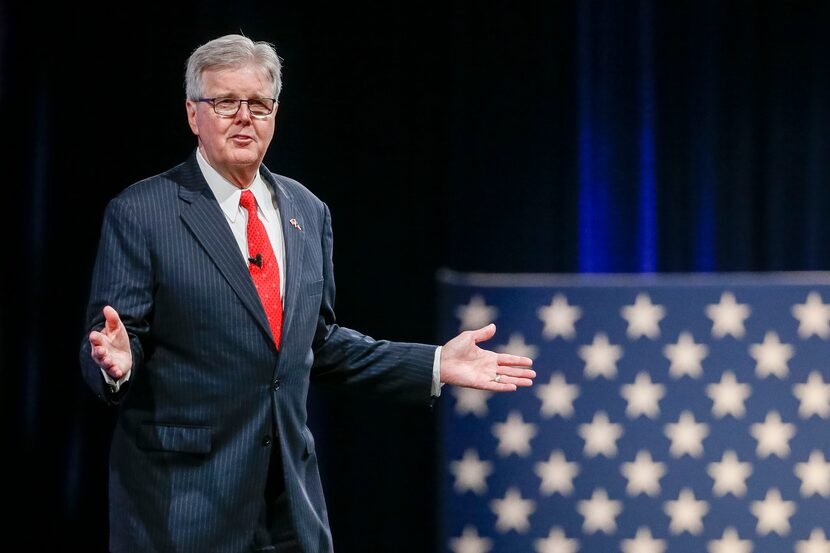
241 176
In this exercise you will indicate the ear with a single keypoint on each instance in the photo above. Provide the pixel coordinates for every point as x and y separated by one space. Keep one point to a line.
191 107
274 114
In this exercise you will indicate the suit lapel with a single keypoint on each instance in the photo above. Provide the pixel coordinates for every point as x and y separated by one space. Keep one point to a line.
294 238
205 219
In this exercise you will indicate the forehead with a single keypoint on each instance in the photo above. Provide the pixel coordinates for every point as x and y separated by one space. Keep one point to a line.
244 80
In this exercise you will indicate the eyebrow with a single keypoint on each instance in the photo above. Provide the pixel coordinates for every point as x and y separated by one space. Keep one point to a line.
237 97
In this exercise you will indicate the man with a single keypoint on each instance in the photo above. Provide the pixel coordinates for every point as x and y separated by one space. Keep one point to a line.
211 309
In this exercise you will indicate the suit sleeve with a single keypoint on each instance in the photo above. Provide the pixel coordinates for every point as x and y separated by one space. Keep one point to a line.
342 356
122 278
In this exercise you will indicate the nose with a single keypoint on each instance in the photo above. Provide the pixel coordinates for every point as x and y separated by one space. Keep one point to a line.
244 112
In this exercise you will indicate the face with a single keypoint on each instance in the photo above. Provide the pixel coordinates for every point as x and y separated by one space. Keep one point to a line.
233 145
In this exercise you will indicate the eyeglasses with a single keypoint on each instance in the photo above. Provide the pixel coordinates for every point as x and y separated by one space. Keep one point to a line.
227 107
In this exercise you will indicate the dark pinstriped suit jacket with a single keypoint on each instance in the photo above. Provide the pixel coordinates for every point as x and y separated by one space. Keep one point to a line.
189 455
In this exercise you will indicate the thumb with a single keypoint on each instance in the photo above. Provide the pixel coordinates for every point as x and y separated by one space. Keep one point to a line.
484 333
113 320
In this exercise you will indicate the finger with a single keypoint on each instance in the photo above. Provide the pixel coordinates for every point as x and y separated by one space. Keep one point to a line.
506 359
113 320
527 374
99 353
502 386
115 373
515 381
104 359
112 369
96 338
485 333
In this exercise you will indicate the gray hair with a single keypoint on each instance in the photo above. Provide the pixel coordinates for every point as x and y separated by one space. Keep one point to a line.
229 52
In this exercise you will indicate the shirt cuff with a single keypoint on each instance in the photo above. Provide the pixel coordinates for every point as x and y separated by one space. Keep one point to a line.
436 373
115 385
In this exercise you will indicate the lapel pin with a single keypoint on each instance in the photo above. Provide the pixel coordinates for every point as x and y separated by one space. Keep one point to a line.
295 224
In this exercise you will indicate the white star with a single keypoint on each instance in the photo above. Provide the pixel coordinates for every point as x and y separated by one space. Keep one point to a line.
773 436
556 542
559 318
600 435
643 317
729 475
514 435
468 400
771 357
728 396
730 543
643 396
727 316
557 396
814 396
813 317
814 475
476 314
557 474
686 356
643 542
686 513
513 512
471 473
599 512
643 475
470 542
517 346
773 513
817 543
686 435
600 357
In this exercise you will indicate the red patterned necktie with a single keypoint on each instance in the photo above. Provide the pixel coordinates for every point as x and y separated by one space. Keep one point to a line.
262 263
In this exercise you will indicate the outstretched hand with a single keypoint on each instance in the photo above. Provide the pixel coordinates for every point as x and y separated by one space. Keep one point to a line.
110 347
463 363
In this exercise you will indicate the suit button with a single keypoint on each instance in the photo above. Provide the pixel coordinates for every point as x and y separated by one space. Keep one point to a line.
266 441
276 384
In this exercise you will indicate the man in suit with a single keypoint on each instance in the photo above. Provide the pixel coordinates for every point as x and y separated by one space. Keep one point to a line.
211 309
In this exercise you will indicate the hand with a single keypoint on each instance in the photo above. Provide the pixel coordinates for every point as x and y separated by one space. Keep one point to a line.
110 347
463 363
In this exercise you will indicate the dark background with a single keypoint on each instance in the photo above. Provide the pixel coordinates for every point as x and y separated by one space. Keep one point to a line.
601 136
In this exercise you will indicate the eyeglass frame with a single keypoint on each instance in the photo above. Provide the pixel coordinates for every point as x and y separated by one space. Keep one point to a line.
212 102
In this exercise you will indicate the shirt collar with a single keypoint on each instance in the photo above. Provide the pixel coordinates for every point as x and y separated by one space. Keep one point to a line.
228 195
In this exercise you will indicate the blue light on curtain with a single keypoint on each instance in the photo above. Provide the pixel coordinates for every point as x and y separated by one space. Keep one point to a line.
647 239
705 131
593 187
616 202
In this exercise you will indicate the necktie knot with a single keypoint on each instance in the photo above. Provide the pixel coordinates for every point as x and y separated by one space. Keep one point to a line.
248 201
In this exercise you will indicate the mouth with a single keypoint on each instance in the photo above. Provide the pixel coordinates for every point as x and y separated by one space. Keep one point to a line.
241 139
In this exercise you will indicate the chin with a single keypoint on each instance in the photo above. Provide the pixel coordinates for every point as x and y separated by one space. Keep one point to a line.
245 159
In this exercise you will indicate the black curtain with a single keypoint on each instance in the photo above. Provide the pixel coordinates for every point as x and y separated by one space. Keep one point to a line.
598 136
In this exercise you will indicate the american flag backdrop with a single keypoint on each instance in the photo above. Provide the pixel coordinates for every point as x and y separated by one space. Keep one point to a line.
669 414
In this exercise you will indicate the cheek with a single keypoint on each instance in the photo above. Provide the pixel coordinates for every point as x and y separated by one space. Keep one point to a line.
209 131
267 133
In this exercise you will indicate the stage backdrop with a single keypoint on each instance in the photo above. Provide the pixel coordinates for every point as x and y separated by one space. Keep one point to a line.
682 413
568 136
